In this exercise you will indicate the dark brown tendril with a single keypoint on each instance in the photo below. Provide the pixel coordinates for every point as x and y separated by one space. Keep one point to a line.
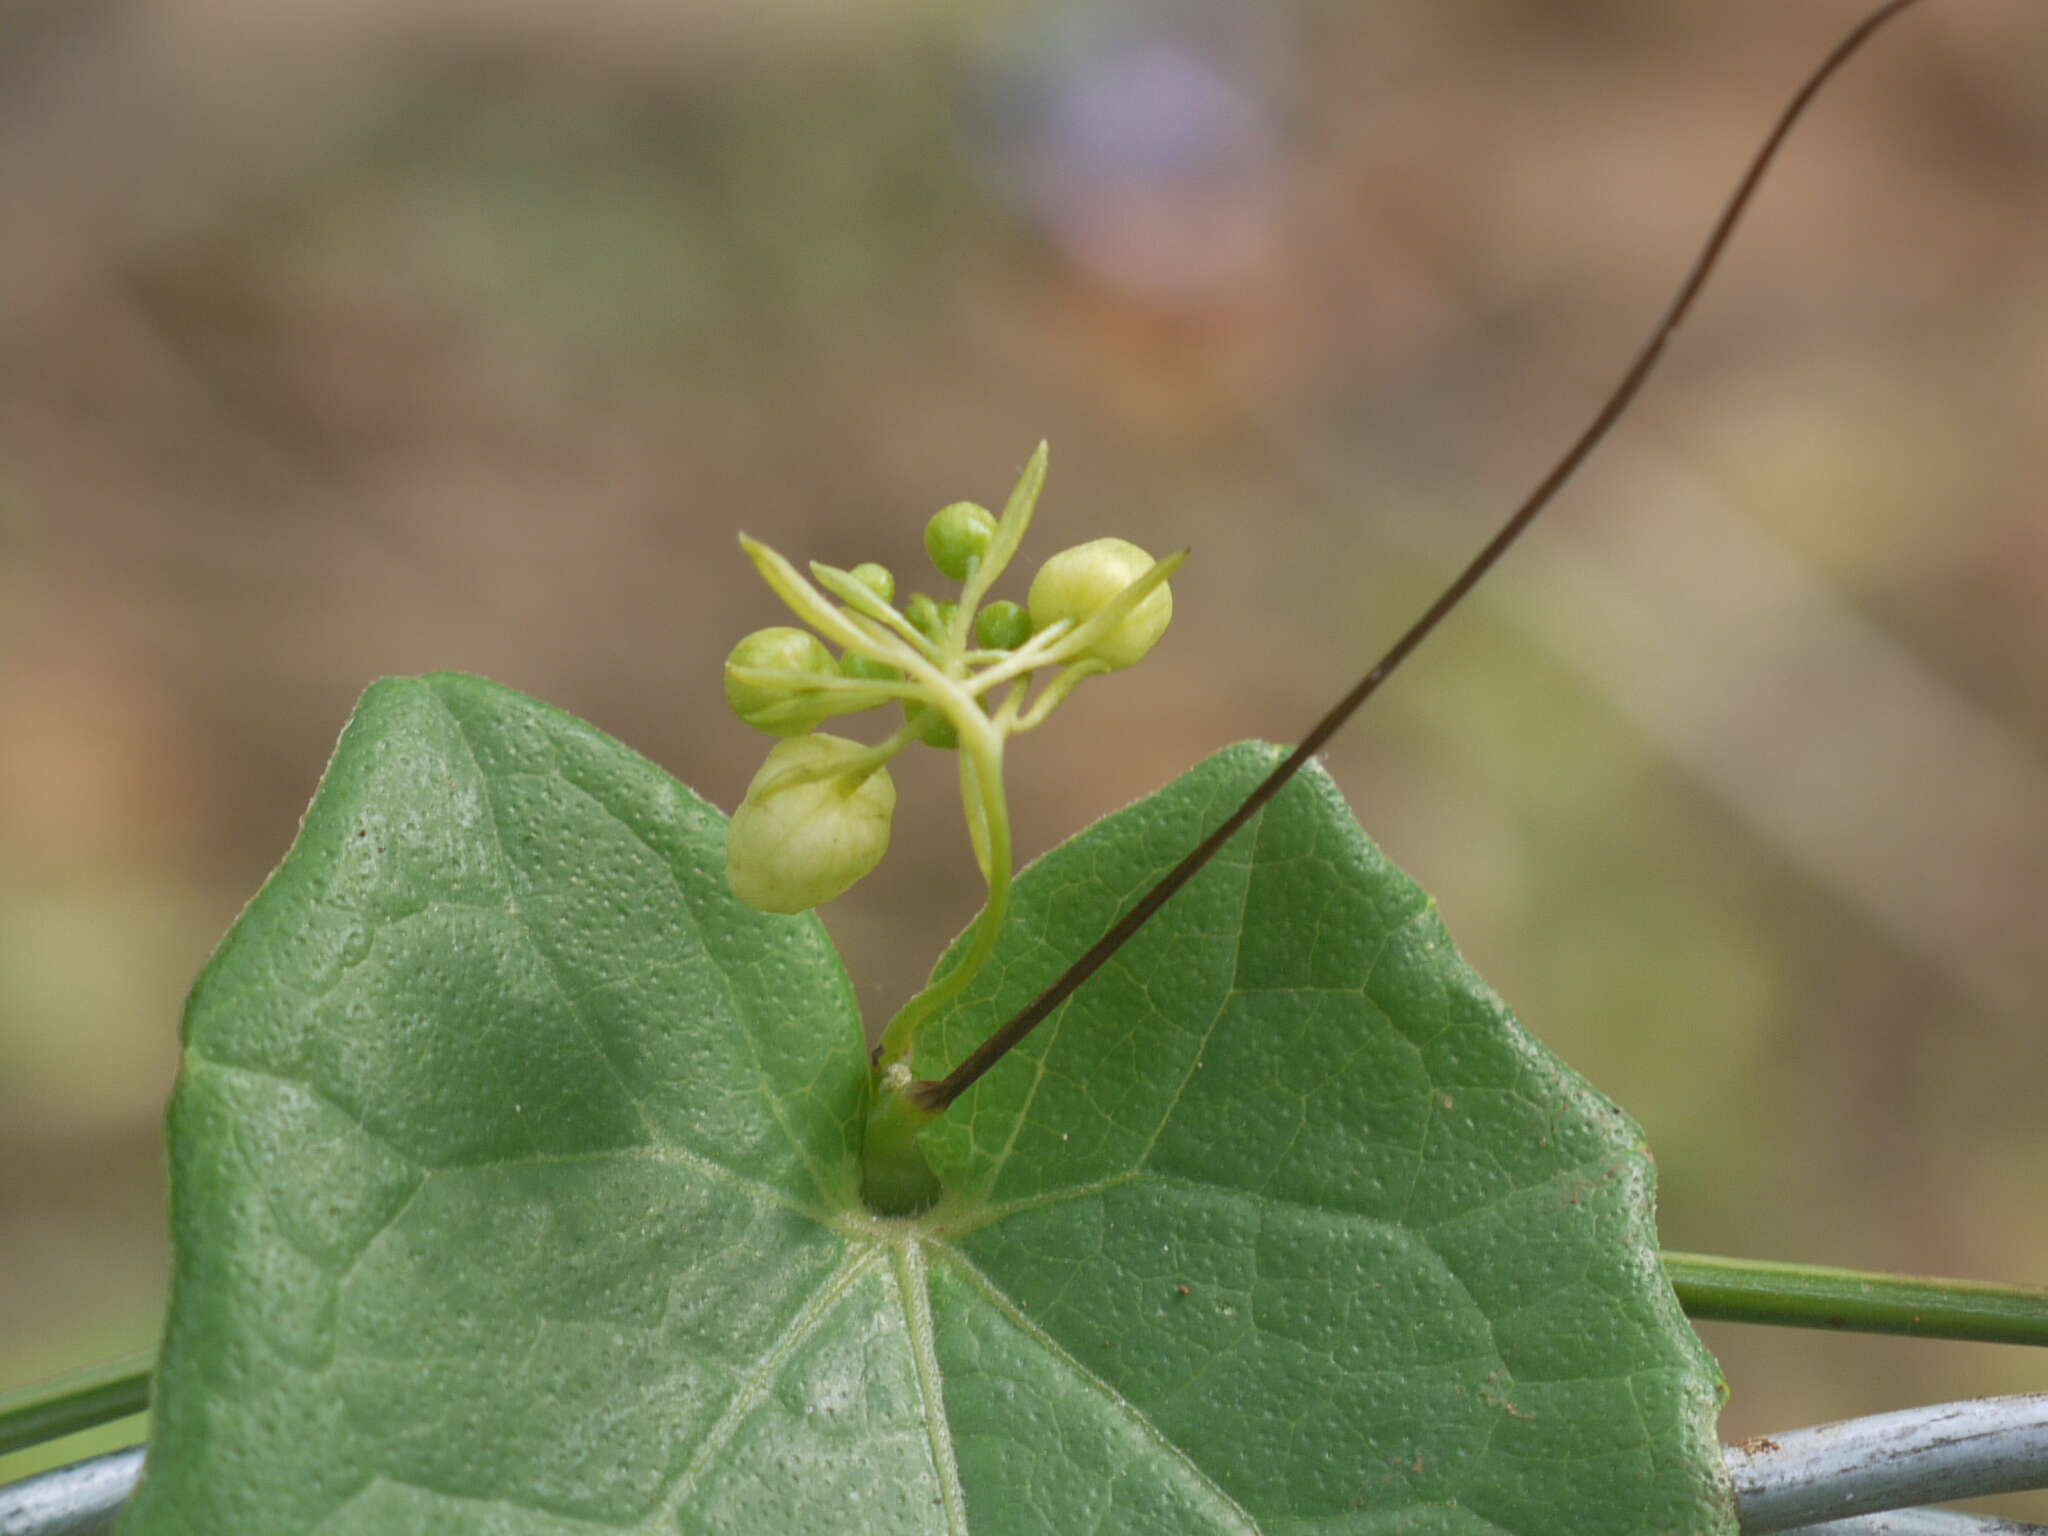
936 1095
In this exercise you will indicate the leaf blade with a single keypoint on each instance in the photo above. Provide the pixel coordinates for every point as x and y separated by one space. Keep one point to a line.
1389 1207
456 1096
515 1196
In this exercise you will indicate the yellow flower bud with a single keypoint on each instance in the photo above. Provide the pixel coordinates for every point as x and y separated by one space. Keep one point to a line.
780 709
1076 584
795 844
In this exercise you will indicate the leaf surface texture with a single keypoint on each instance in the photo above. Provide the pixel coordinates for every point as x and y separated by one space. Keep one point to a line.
515 1193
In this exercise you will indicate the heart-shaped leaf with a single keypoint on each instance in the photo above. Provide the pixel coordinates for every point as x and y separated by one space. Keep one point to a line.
515 1192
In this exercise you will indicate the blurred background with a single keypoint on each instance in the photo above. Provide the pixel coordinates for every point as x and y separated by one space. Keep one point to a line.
346 339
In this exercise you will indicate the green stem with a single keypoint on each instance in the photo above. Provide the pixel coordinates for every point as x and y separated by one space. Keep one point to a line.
1010 527
869 605
895 1179
856 693
1033 654
978 737
855 771
1055 692
1856 1301
83 1399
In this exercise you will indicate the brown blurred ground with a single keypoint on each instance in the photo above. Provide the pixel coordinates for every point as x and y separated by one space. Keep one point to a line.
339 340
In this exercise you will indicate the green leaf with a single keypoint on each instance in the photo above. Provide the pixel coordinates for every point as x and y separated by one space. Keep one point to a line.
1288 1189
515 1194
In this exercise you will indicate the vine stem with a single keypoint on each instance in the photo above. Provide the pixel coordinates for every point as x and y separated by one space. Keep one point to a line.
988 818
1711 1288
84 1399
936 1095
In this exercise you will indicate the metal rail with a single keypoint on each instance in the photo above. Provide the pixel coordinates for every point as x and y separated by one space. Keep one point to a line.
1860 1477
82 1499
1811 1481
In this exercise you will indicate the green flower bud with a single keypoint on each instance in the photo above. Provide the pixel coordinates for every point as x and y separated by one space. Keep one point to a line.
876 578
923 614
957 537
1002 626
780 709
1076 583
936 729
853 664
791 847
930 619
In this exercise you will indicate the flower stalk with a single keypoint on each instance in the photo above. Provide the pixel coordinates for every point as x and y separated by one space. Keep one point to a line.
816 818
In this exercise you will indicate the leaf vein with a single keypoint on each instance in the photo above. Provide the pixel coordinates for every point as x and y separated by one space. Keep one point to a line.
753 1386
912 1290
1018 1319
735 1005
513 907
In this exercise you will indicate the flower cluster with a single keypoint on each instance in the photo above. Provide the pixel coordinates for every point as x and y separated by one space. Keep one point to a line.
967 674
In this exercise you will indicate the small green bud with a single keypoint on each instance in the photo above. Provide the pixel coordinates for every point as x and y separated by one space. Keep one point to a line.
853 664
1076 583
780 709
1002 626
930 619
876 578
790 848
936 730
923 613
957 537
